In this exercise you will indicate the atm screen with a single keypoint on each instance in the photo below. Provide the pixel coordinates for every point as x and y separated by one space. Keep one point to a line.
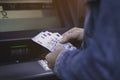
20 15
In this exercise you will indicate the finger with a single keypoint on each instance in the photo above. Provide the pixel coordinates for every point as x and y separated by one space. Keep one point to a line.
65 38
72 34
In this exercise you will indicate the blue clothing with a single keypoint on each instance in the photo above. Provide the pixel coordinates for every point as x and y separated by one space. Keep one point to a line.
99 56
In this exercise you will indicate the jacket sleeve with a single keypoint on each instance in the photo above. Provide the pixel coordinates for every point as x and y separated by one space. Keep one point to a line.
96 60
79 65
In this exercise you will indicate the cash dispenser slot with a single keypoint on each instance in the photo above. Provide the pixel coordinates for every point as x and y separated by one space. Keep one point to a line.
20 57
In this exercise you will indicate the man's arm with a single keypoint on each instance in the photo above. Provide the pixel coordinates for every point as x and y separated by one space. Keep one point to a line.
79 64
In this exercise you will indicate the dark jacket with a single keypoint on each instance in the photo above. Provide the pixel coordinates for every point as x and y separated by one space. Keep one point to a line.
99 56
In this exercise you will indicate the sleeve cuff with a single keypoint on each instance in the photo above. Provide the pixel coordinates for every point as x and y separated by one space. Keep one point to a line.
61 61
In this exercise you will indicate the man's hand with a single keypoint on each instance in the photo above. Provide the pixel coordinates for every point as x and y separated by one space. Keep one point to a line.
72 34
51 57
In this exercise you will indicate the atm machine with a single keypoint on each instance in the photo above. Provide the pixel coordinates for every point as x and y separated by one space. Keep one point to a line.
20 20
22 59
